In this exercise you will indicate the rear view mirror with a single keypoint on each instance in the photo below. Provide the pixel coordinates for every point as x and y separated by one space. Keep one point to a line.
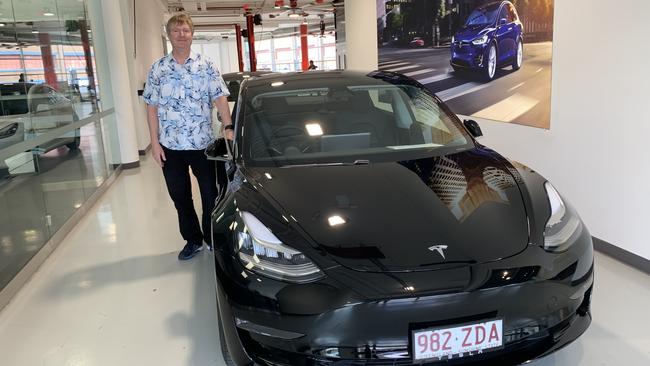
473 128
219 150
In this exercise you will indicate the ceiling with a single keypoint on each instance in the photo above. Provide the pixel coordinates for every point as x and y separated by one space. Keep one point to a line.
217 18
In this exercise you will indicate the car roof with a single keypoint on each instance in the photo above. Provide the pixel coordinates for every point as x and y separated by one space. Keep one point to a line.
242 74
324 79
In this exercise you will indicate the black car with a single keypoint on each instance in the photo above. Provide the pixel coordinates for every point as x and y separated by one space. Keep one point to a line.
363 224
233 81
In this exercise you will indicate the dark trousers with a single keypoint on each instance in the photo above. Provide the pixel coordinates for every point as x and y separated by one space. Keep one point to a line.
177 178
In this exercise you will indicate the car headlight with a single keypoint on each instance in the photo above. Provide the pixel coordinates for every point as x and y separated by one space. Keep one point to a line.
480 40
8 130
563 225
262 252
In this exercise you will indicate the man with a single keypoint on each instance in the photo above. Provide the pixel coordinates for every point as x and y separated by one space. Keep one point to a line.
180 91
311 65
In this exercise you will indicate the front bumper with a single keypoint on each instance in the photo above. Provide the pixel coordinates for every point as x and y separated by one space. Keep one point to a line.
465 55
317 324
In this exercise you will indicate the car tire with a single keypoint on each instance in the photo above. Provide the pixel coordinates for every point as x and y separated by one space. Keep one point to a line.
519 57
490 70
74 145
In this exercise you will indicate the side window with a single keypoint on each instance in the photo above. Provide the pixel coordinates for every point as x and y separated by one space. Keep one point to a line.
503 14
233 89
512 14
381 99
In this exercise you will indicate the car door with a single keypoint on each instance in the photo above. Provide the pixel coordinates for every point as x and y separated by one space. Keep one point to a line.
506 34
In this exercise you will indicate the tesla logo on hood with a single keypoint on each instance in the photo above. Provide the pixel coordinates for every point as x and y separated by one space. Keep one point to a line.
438 248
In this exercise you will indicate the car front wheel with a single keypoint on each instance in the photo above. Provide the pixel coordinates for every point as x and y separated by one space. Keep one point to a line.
520 56
491 67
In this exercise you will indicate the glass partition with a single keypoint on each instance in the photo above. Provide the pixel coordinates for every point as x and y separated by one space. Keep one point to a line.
52 148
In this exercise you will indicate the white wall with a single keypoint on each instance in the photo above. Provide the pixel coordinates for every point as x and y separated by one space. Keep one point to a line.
361 52
149 23
595 152
223 53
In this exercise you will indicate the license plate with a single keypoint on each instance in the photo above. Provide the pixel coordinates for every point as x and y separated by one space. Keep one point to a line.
456 342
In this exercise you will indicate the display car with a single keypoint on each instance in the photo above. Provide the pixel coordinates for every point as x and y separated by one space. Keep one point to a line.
363 224
28 110
490 39
233 81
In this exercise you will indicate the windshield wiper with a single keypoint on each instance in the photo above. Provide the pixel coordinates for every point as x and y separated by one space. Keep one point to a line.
356 162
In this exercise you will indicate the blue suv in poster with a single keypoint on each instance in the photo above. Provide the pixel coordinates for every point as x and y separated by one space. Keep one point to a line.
491 38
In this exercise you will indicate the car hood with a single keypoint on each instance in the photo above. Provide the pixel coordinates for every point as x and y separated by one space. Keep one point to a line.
405 216
469 33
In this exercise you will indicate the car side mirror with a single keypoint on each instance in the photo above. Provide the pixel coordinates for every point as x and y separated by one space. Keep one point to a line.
473 128
219 150
503 21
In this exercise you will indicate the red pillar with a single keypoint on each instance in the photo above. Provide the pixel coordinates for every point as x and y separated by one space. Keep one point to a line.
304 47
85 43
251 41
48 60
240 53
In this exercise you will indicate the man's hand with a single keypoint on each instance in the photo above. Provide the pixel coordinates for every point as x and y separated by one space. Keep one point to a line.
158 154
229 134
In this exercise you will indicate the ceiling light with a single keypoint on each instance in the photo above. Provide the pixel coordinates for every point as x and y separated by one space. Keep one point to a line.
336 220
294 15
268 176
277 83
35 31
314 129
2 24
48 14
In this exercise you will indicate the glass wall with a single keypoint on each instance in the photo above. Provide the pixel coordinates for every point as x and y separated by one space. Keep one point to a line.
52 151
285 55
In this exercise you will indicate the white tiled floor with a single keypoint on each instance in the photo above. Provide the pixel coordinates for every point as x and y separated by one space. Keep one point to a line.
114 294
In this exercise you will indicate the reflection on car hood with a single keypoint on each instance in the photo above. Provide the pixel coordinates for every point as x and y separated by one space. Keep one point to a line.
472 32
414 215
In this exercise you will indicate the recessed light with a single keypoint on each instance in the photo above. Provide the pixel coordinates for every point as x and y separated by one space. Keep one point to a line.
336 220
277 83
48 14
314 129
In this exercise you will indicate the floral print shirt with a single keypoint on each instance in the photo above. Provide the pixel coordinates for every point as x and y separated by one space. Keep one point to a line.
184 95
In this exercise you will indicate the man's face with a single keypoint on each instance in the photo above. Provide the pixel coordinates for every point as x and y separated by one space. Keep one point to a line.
180 35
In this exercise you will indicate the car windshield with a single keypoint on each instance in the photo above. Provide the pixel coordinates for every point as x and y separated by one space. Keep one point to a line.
483 16
346 124
13 99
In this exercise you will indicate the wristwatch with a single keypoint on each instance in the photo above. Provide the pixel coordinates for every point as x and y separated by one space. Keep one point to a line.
229 127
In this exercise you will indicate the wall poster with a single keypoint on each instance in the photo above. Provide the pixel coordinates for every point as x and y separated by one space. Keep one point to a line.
485 59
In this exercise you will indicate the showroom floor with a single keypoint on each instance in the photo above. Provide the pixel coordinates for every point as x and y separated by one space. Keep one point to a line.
114 294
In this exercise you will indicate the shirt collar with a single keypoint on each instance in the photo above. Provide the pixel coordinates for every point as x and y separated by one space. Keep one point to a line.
193 57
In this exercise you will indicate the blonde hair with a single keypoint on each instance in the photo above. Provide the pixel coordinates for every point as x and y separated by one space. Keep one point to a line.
181 18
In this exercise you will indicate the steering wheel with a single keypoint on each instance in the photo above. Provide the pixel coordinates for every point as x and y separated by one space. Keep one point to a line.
292 131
